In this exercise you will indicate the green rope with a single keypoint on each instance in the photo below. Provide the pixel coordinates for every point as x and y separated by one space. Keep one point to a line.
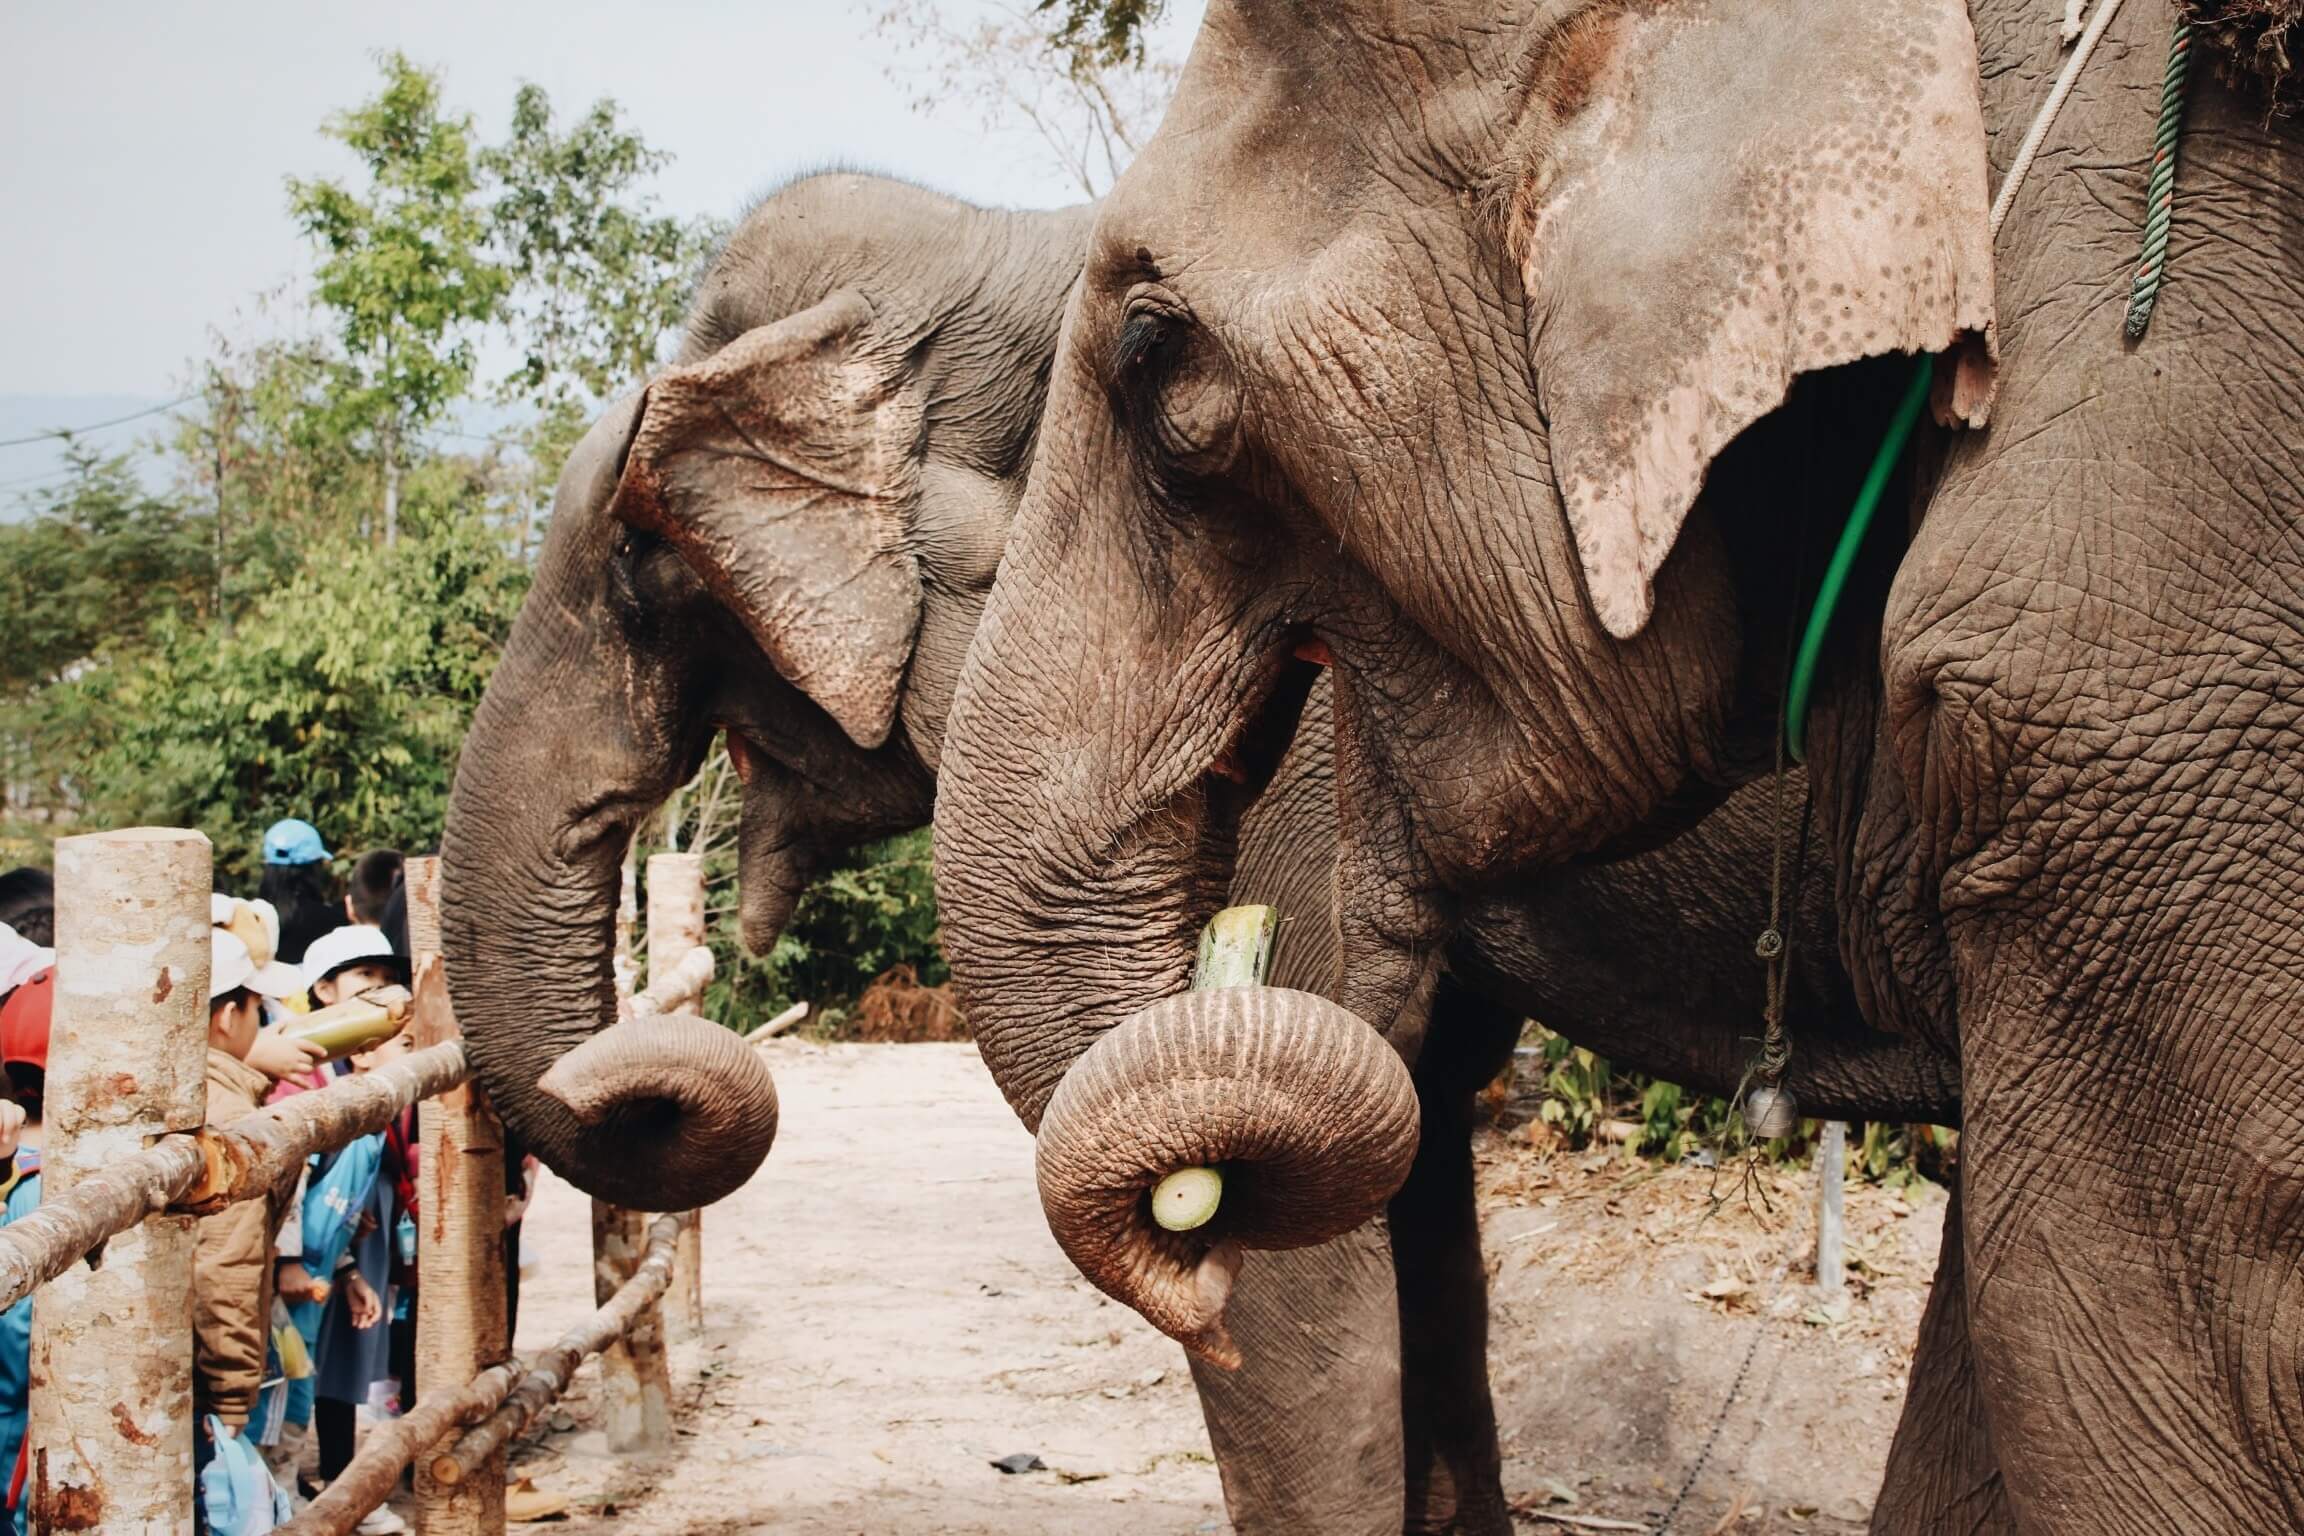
1891 448
2160 196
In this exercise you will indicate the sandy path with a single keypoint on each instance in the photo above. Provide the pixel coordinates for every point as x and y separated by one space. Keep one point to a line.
887 1315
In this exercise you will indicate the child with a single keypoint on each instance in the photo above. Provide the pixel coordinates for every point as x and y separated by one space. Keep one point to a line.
232 1266
352 1344
24 1022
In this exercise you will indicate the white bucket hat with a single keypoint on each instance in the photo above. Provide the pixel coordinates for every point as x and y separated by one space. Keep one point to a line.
20 959
355 944
256 924
230 965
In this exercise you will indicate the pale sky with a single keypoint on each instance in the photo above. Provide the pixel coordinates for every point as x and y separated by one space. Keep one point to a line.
143 145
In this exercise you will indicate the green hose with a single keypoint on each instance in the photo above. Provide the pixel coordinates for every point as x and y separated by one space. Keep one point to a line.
1844 556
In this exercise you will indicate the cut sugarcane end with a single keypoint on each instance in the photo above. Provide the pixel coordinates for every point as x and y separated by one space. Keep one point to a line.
1187 1198
1236 948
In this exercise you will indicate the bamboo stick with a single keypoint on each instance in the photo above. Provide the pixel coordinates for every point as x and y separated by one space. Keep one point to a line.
111 1432
549 1373
460 1333
391 1446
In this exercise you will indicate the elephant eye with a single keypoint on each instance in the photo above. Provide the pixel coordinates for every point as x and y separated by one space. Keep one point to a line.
1176 396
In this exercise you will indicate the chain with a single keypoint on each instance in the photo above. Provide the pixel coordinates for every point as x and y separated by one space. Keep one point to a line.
1719 1422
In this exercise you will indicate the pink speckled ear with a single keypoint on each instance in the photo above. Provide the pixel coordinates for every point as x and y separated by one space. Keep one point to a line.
1709 197
779 467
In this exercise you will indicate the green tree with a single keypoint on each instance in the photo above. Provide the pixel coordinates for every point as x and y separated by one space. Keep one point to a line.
343 694
1101 32
99 563
405 267
598 274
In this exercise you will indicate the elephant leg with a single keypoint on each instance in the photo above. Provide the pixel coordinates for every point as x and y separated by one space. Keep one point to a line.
1942 1476
1455 1480
1307 1430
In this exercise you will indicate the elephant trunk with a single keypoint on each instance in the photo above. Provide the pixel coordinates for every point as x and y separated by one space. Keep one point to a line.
574 744
1309 1116
661 1113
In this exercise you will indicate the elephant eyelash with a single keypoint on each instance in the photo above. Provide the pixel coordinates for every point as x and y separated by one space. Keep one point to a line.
1150 349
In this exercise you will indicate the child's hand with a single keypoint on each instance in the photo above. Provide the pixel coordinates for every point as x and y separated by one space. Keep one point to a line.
278 1056
11 1126
367 1311
296 1283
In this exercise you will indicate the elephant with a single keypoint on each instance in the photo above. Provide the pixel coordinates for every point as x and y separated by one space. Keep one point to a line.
1515 366
850 302
786 536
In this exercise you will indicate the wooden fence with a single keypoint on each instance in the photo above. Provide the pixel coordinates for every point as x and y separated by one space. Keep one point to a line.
129 1165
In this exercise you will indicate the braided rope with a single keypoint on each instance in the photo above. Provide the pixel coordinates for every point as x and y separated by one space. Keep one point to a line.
2160 195
2037 134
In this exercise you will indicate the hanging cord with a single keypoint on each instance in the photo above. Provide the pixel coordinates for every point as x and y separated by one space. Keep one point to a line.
2160 195
1907 414
2046 116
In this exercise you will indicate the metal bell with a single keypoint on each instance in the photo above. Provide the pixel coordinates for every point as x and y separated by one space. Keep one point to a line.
1770 1113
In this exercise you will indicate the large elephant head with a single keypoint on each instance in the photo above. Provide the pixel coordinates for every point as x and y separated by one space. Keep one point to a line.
787 536
1433 342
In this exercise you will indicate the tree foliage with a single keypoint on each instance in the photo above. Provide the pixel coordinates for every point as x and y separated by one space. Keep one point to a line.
99 563
342 696
1090 107
1101 32
402 268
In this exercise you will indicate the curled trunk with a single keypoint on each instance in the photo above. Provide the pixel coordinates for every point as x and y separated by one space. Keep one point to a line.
573 746
1307 1112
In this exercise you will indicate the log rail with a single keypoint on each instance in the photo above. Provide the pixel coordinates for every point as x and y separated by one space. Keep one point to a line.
129 966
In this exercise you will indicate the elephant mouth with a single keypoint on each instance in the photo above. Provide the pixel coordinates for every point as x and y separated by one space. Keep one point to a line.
1255 740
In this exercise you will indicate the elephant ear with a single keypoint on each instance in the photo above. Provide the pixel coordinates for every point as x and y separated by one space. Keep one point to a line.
780 468
1706 198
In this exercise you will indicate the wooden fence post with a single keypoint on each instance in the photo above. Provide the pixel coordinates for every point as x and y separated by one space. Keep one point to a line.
1831 1226
635 1383
676 926
111 1403
460 1243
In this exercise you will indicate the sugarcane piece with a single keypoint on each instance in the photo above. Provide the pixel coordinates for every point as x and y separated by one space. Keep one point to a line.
1187 1198
1236 948
354 1025
1235 951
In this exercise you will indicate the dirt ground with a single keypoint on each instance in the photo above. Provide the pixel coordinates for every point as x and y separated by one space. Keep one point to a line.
888 1316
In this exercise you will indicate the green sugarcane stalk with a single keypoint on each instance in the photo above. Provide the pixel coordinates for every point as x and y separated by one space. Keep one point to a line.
1235 951
354 1025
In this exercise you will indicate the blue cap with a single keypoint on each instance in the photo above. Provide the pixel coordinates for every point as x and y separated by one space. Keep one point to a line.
293 842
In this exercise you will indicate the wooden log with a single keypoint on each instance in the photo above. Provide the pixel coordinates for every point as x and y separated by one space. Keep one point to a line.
111 1427
635 1381
549 1373
460 1332
676 990
391 1446
675 931
777 1025
103 1203
249 1155
208 1169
